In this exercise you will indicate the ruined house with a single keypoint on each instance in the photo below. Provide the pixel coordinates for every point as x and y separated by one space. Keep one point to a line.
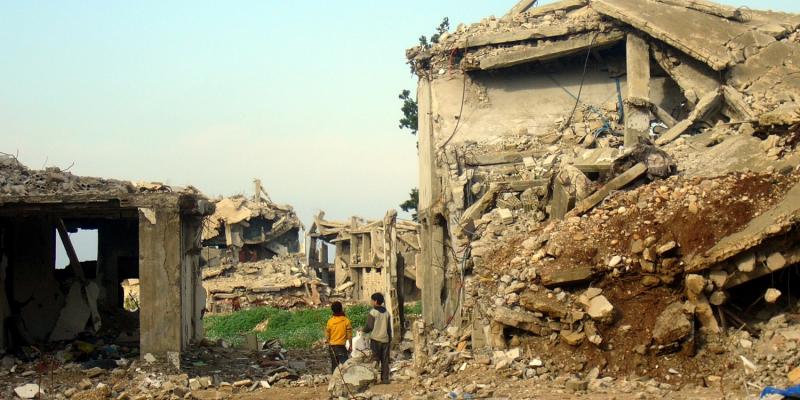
149 232
359 263
249 229
532 127
251 256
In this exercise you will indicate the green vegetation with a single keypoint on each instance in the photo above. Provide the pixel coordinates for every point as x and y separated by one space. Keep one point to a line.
295 329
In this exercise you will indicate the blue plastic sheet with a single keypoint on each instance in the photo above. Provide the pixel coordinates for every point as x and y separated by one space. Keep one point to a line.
792 392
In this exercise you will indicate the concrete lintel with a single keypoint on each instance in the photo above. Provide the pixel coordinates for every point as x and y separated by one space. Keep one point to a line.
678 27
551 50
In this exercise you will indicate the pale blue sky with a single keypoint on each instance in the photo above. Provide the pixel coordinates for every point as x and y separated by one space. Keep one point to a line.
213 94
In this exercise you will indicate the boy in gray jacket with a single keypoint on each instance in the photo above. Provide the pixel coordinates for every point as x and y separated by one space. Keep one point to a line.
379 327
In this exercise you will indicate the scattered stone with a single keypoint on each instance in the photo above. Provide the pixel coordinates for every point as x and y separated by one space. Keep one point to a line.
718 298
28 391
666 247
85 384
94 372
614 261
718 277
695 283
355 378
149 358
672 325
747 263
573 338
600 309
772 295
776 261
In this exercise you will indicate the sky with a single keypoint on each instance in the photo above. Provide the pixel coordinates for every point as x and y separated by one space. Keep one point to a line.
302 95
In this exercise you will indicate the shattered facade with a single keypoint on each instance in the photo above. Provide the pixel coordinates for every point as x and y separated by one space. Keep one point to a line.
148 232
250 229
549 144
251 256
358 268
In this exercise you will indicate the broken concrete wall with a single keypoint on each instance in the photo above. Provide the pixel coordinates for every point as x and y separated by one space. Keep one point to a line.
160 285
531 99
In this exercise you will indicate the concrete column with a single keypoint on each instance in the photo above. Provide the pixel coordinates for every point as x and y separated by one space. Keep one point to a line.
431 268
193 294
637 103
160 262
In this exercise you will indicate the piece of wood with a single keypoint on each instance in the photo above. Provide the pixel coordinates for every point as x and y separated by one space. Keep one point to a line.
74 262
615 184
549 50
704 107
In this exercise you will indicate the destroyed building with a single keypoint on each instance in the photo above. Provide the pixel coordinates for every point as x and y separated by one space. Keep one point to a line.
250 229
359 264
149 232
282 281
571 144
251 256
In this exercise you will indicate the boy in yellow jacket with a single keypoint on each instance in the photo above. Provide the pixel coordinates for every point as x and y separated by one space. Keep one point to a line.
339 335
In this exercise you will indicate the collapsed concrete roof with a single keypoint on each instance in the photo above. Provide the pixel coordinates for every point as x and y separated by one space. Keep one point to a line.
21 185
755 54
238 210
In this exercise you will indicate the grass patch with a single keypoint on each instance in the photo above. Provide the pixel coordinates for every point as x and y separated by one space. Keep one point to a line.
298 329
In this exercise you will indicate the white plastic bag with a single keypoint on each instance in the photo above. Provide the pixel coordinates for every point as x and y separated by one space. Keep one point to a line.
360 348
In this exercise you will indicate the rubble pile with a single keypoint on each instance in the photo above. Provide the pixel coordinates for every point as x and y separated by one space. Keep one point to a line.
641 222
256 225
207 370
283 281
17 179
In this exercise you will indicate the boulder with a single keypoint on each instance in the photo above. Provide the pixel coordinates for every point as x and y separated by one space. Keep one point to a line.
28 391
672 325
772 295
600 309
351 378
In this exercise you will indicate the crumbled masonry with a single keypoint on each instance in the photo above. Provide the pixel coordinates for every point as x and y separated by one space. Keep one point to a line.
609 207
612 189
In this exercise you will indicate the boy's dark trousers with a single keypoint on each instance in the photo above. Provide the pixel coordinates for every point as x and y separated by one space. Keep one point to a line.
338 355
380 354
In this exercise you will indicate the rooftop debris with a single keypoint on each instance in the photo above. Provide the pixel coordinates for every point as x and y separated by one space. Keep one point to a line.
612 191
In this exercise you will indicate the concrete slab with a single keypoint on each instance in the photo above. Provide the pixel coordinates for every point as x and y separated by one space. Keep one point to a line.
775 221
698 34
550 50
